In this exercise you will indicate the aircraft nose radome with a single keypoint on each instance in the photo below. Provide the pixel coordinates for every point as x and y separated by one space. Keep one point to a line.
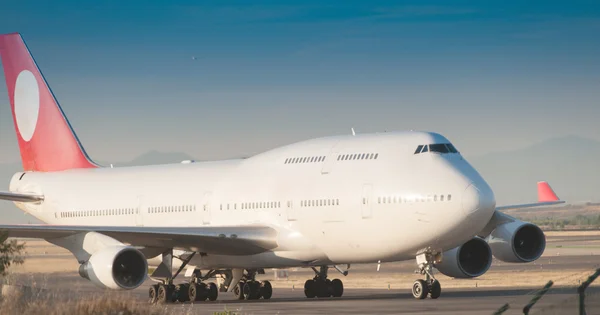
475 199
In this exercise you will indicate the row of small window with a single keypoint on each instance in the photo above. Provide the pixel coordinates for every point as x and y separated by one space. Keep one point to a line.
398 199
97 213
319 203
358 156
438 148
313 159
167 209
251 205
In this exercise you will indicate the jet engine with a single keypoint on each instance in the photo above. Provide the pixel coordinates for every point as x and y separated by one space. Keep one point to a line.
517 242
469 260
116 267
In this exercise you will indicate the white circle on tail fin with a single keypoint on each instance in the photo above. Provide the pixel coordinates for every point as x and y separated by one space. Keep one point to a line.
27 104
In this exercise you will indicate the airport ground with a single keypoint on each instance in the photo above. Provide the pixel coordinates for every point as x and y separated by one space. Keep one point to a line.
569 258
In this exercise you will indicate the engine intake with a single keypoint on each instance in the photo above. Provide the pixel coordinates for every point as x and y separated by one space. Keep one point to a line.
517 242
472 259
117 267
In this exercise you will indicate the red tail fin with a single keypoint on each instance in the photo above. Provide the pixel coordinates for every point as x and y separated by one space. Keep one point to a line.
46 140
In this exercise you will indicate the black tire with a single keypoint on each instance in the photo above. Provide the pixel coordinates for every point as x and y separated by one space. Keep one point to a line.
252 290
323 288
266 290
181 292
238 291
213 291
337 288
420 289
164 294
310 288
195 292
153 294
435 289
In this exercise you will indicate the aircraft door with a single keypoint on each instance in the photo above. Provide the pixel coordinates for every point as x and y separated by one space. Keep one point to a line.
366 210
140 211
206 208
330 159
291 214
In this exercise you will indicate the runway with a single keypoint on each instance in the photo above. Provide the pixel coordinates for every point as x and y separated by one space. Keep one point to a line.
369 301
567 261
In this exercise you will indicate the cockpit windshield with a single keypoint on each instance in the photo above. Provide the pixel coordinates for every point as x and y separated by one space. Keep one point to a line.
441 148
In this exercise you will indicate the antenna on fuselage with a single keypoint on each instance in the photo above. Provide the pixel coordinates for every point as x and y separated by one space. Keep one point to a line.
353 133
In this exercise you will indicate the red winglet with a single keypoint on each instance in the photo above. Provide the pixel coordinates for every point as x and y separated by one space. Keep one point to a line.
545 193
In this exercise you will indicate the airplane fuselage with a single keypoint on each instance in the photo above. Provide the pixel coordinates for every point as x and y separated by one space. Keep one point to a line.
344 199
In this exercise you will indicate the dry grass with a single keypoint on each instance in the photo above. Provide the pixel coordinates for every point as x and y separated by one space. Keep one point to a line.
109 303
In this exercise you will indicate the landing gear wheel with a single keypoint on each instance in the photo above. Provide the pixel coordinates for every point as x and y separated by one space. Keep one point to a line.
197 292
182 292
213 291
238 291
420 289
153 294
165 293
252 290
323 288
435 289
310 288
337 288
266 290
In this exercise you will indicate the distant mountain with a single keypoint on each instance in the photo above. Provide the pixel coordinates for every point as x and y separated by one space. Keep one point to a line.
570 164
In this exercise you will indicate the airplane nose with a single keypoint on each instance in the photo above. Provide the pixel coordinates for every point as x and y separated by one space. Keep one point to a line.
475 199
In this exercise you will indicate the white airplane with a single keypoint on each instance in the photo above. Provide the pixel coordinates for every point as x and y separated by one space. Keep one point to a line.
321 204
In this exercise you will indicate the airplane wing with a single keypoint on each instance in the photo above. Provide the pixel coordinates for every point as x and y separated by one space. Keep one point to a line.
546 197
223 240
20 197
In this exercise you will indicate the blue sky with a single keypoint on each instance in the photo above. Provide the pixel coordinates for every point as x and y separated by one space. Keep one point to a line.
221 79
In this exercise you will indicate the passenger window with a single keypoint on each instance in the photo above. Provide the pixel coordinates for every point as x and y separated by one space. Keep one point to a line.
376 155
449 197
434 197
339 157
418 150
441 197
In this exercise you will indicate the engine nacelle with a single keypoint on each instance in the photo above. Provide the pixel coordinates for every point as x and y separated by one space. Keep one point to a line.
517 242
469 260
116 267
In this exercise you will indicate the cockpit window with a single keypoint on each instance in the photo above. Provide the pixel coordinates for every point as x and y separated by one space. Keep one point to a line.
451 148
419 149
442 148
439 148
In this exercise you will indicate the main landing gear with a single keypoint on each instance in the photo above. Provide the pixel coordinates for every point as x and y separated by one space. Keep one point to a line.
248 288
322 287
195 290
430 286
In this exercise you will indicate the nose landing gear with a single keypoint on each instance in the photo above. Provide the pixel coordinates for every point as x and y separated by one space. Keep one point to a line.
430 286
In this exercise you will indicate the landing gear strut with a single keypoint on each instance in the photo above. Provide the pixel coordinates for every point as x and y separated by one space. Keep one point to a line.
322 287
430 286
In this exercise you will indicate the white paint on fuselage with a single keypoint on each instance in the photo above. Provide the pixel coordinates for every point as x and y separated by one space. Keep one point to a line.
358 230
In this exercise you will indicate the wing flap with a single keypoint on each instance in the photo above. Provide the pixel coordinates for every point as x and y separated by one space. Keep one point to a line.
20 197
224 240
